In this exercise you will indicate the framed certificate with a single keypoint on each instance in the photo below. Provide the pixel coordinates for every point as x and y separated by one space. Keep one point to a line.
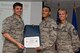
31 42
31 36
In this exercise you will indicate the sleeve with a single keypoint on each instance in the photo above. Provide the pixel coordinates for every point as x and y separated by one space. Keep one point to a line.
6 26
75 39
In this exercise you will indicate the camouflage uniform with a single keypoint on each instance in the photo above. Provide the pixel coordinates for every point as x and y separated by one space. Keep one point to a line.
48 35
67 38
14 27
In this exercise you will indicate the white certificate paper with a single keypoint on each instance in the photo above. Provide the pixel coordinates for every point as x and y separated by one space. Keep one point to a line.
31 42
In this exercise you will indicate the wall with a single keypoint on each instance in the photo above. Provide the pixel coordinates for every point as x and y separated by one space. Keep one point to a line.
36 13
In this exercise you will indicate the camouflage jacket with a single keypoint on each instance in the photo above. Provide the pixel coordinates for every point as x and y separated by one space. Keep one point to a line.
67 38
14 27
48 35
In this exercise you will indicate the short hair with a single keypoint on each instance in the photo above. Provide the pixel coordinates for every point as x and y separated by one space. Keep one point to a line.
47 7
17 4
62 9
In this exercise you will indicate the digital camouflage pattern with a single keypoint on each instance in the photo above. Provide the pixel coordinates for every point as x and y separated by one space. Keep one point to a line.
14 27
48 35
67 38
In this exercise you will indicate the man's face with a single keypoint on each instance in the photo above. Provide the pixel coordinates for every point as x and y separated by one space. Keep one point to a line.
45 12
62 15
18 10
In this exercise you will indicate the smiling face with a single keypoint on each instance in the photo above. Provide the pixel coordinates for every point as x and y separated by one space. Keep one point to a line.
18 10
62 15
45 12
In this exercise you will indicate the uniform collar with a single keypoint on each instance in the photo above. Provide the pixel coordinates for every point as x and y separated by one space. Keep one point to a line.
20 19
63 25
14 15
48 19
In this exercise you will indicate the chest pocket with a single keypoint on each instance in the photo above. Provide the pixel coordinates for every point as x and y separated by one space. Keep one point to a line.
16 25
66 32
46 27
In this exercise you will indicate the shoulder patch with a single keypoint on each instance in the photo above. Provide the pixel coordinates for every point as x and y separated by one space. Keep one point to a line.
74 31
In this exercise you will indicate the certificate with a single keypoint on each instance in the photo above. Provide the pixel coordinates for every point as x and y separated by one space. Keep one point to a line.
31 42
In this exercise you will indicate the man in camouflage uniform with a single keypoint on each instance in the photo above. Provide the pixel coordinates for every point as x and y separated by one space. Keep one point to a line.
12 30
67 38
48 32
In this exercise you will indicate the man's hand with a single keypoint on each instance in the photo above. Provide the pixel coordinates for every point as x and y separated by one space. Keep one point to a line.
38 49
20 45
